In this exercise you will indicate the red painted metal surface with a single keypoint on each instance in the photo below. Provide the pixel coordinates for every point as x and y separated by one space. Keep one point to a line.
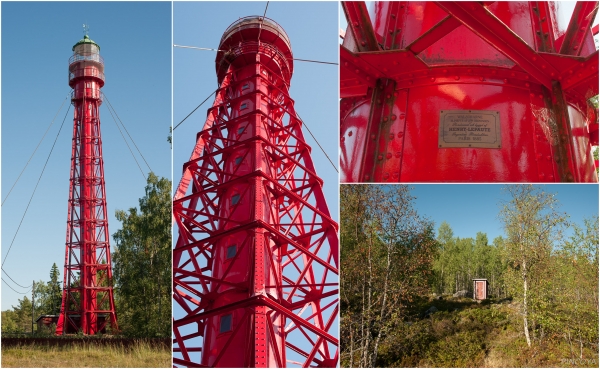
87 304
432 57
255 266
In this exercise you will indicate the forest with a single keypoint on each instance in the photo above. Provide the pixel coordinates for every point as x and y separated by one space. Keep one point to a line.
406 285
141 259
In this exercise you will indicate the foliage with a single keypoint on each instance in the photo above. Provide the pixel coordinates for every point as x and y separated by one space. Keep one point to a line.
459 260
17 320
142 263
532 224
387 251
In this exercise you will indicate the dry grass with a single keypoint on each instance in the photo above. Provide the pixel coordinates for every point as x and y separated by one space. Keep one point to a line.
86 356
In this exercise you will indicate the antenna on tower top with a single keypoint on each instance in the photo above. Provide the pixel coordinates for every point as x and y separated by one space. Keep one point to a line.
86 29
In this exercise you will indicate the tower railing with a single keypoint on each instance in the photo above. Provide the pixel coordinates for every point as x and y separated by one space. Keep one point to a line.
85 72
91 57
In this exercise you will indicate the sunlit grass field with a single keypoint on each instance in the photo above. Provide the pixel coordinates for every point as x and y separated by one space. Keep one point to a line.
140 355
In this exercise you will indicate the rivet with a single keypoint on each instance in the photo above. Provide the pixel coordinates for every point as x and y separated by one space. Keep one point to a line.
395 62
481 78
363 43
355 24
445 70
386 176
512 74
531 94
400 134
356 71
548 157
410 82
526 77
343 139
389 155
388 96
350 134
391 136
432 79
543 66
526 84
457 78
398 154
395 94
540 96
380 157
385 70
390 31
575 47
345 64
494 71
373 136
534 58
395 175
366 177
469 70
539 156
505 80
393 117
385 119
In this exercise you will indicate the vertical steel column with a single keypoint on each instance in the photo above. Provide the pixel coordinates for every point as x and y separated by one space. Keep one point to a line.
255 264
88 302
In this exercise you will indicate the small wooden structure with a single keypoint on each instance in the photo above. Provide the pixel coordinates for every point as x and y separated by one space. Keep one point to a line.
46 321
480 289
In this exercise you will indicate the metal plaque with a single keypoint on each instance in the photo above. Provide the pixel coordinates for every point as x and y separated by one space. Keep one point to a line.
469 128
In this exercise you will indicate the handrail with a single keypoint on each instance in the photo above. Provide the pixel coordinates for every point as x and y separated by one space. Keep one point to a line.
265 22
86 72
92 57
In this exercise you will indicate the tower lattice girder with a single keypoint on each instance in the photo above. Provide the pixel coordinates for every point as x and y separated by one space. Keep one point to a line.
255 264
87 303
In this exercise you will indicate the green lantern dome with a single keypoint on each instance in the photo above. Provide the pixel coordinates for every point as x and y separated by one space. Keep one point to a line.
86 40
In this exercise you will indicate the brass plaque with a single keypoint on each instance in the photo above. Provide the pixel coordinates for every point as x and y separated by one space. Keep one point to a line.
469 128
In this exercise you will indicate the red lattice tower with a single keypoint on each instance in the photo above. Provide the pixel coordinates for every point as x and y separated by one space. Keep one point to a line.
87 304
255 267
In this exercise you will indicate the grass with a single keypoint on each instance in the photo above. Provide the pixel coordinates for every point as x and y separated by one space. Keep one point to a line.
140 355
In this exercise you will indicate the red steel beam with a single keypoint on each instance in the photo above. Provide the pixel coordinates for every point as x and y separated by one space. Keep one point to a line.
360 24
483 23
581 20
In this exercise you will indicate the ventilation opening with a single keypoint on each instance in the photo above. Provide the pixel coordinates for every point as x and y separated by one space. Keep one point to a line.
235 199
241 130
245 86
231 251
225 325
244 106
238 160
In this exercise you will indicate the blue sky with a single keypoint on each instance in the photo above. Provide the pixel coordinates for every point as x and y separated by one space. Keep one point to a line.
135 41
470 208
313 31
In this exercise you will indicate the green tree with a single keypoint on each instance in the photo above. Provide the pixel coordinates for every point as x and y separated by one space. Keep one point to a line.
142 263
387 251
532 225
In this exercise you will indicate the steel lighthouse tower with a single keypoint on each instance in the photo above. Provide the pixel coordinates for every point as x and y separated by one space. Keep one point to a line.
255 266
87 304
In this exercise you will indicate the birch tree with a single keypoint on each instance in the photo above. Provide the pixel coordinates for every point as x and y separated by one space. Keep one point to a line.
532 225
